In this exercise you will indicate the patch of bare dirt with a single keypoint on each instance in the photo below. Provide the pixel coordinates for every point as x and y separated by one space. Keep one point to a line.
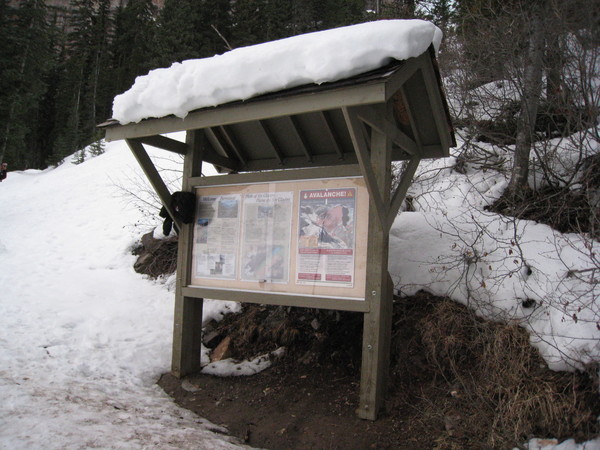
455 382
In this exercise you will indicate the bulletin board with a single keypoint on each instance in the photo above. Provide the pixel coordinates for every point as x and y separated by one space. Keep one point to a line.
293 237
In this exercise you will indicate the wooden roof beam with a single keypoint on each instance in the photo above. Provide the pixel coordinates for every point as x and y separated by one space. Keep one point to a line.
357 134
400 192
411 118
233 144
217 143
236 112
138 150
210 156
217 159
272 142
402 75
376 119
435 100
301 138
165 143
334 138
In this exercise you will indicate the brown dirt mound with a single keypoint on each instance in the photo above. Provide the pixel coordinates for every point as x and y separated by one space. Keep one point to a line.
455 382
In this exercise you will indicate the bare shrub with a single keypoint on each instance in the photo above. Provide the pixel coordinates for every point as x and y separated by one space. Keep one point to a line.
499 383
157 257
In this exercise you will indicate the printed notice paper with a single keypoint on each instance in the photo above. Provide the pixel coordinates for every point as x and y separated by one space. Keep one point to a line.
217 236
267 236
304 238
326 237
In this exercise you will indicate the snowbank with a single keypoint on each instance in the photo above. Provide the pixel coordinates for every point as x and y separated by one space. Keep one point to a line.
84 338
505 269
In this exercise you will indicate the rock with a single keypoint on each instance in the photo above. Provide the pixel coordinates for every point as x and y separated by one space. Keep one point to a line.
221 351
212 338
188 386
149 242
142 262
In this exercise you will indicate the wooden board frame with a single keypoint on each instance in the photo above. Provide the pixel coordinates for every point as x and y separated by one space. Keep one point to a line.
290 292
374 166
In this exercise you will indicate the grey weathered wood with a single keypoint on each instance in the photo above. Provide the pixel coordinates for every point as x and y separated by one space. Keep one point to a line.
306 149
397 80
437 106
165 143
377 322
227 115
274 148
138 150
411 118
221 161
348 170
213 137
270 298
362 152
333 137
376 118
187 323
402 189
295 162
226 159
218 143
233 145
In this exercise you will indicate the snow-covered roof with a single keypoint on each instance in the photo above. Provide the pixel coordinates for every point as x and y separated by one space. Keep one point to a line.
243 73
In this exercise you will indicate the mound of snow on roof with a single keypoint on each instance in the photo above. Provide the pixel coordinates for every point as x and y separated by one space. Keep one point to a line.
243 73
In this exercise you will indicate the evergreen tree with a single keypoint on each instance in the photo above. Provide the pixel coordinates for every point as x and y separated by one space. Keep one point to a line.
26 57
86 93
257 21
8 74
176 33
402 9
133 45
442 13
99 85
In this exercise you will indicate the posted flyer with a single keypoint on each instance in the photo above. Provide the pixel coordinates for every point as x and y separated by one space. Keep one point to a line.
326 237
266 237
217 236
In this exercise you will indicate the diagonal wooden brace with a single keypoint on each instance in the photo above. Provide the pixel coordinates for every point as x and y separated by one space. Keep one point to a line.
138 150
355 127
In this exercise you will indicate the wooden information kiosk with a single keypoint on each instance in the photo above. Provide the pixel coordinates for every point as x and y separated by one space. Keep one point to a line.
302 217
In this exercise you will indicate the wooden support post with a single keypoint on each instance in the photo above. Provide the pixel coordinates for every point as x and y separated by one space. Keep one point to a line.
355 127
378 321
187 327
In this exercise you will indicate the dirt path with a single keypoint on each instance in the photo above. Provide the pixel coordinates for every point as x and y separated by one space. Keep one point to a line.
275 409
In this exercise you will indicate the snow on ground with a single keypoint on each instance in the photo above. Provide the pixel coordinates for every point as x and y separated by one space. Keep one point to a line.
84 338
510 270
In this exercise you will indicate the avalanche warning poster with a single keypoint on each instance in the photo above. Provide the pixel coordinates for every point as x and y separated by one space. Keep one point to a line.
326 237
